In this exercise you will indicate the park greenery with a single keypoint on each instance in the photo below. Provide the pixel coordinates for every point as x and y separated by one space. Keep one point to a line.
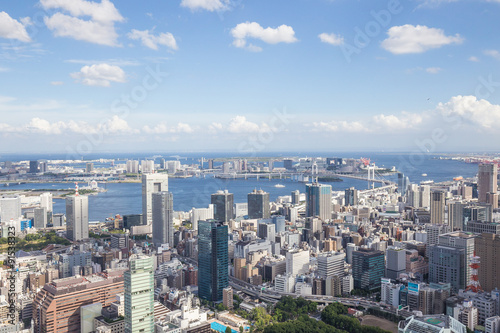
34 242
334 319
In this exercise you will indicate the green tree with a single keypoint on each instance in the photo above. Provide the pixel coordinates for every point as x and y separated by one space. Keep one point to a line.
228 329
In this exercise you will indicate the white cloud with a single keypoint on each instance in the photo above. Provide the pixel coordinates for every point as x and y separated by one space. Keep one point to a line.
492 53
332 38
57 83
240 124
162 128
113 125
3 70
100 75
99 29
152 41
339 126
243 31
408 38
210 5
12 29
472 111
111 61
473 59
433 70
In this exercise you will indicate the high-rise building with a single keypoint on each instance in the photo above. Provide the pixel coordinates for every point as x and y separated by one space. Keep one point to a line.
288 164
58 220
132 166
89 167
437 207
460 240
77 217
139 295
446 264
147 166
120 241
475 213
456 215
10 208
163 218
492 324
43 166
486 180
297 262
279 222
368 267
132 220
488 250
266 230
403 182
223 202
258 205
151 183
34 166
56 307
227 297
331 264
46 201
351 196
212 260
295 197
319 201
395 262
40 218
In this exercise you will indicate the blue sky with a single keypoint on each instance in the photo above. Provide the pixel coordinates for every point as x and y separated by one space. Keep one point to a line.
249 76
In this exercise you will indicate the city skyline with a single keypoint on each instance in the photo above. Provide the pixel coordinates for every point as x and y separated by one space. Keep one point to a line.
248 77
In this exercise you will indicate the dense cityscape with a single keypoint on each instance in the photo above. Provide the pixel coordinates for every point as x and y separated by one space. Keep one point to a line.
249 166
400 256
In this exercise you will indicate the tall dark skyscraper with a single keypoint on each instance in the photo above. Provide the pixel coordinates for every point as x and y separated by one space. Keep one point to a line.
163 218
368 267
486 180
223 202
34 166
351 197
319 201
258 205
212 260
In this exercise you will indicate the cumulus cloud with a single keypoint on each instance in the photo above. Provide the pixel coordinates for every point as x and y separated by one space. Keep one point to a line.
332 38
99 29
100 75
339 126
472 111
210 5
244 31
408 39
162 128
13 29
113 125
150 40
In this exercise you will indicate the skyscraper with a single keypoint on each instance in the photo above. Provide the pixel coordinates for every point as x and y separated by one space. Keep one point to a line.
212 260
488 250
40 218
446 264
139 295
367 268
258 205
486 180
295 197
456 215
395 262
319 201
77 217
33 166
437 207
151 183
163 218
331 264
351 197
223 202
